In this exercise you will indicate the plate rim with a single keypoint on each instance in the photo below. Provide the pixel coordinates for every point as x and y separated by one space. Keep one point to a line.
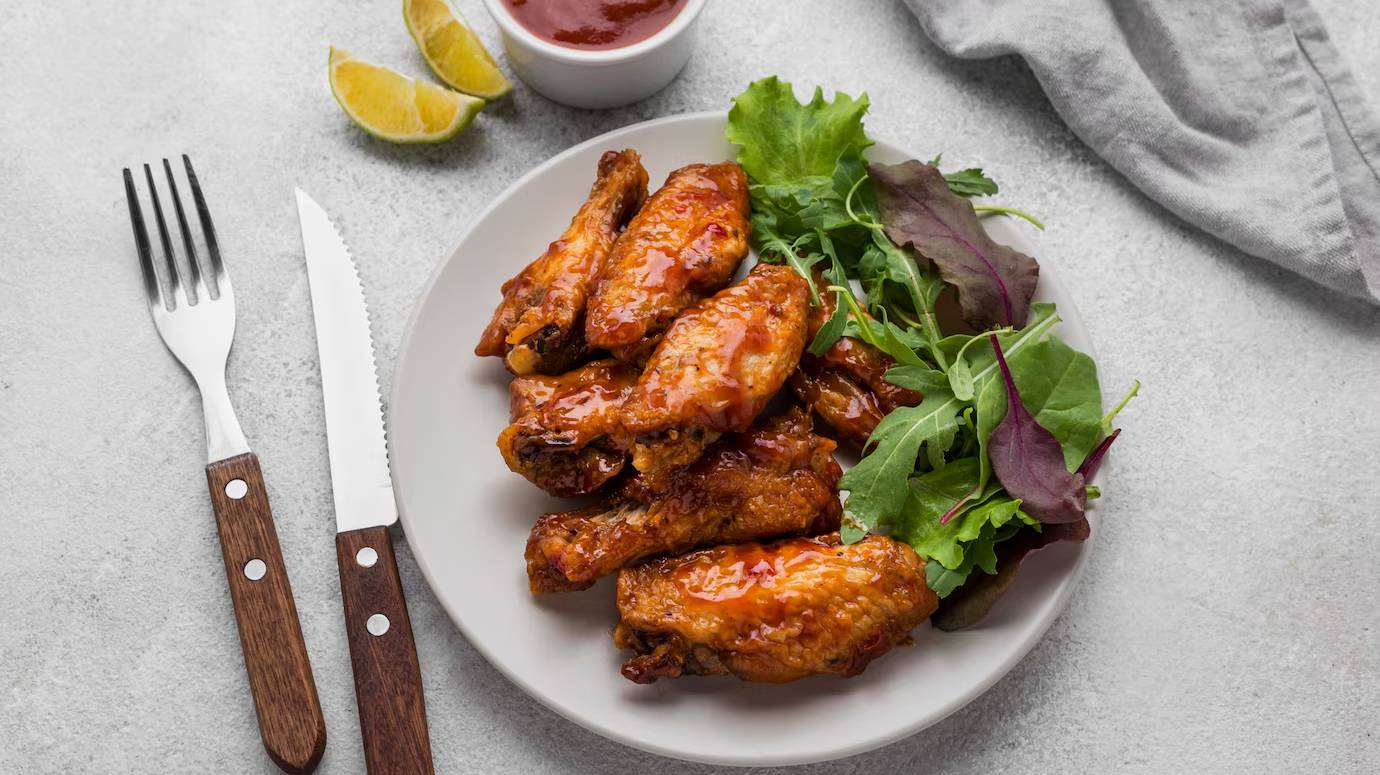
1069 316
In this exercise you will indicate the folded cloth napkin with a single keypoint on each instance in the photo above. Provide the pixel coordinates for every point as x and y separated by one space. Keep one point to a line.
1237 115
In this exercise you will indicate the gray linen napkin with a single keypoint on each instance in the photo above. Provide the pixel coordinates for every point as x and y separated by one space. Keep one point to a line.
1237 115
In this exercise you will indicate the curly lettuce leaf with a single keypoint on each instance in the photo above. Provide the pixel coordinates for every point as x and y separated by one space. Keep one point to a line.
785 142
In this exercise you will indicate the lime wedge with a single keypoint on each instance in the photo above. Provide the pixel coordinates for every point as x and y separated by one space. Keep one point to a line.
393 107
453 50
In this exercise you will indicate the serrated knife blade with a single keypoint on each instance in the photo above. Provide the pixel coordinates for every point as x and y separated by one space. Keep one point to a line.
383 654
360 482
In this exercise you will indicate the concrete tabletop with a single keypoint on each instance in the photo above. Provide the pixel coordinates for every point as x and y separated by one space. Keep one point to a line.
1228 621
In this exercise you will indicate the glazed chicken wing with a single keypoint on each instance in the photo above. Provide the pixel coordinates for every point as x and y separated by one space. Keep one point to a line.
683 245
719 364
777 479
562 436
539 325
845 385
773 612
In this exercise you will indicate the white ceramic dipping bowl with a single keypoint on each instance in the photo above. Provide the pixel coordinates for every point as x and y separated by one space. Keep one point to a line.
598 79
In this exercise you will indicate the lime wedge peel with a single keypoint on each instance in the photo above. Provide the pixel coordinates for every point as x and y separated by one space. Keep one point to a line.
393 107
452 50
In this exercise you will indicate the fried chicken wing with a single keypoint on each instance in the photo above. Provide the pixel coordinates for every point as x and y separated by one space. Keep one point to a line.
562 436
539 325
684 244
716 368
773 612
777 479
845 385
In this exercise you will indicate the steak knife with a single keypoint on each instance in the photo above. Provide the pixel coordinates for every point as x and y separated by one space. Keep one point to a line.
388 680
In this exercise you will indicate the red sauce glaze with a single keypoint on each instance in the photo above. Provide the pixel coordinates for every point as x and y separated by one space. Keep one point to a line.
594 24
738 570
575 399
728 403
686 242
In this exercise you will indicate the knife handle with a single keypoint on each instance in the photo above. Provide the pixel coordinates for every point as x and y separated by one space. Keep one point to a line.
388 680
275 656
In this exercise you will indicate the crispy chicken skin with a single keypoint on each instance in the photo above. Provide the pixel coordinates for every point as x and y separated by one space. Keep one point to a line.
777 479
773 612
562 436
716 368
684 244
845 385
539 325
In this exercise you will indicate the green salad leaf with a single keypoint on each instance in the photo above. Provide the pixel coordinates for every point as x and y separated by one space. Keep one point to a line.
971 182
784 143
904 234
877 485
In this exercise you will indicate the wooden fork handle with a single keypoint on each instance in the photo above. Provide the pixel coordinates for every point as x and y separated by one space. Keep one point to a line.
388 680
275 656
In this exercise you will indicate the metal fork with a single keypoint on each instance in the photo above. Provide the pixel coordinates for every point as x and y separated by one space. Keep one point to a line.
199 333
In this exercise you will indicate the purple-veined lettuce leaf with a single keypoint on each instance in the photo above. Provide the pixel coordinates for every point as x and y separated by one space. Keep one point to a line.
918 210
1029 461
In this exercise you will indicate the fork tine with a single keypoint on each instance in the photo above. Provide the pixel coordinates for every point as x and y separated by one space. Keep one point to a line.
209 230
186 233
174 280
141 241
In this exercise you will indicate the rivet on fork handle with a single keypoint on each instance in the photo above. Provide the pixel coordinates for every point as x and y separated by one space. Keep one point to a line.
275 655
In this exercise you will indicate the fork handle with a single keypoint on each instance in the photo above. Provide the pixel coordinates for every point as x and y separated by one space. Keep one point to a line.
388 680
275 656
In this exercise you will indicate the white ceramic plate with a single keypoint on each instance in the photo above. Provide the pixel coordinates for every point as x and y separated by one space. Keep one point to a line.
467 519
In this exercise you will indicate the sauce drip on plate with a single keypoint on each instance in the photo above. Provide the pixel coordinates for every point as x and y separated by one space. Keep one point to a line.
594 24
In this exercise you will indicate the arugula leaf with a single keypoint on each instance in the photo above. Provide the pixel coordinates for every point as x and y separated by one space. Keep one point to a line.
889 263
922 379
961 374
994 282
1058 385
1029 461
883 335
967 182
1116 410
970 182
785 141
877 484
838 320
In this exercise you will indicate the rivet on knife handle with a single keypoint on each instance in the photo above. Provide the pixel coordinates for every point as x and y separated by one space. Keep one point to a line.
275 656
388 680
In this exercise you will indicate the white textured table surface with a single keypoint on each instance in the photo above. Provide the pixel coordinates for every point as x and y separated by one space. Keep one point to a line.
1228 621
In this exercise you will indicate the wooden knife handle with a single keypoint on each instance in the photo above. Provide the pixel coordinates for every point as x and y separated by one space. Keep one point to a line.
388 680
275 656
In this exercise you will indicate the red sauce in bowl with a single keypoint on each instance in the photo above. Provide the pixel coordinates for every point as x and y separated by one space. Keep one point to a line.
594 24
